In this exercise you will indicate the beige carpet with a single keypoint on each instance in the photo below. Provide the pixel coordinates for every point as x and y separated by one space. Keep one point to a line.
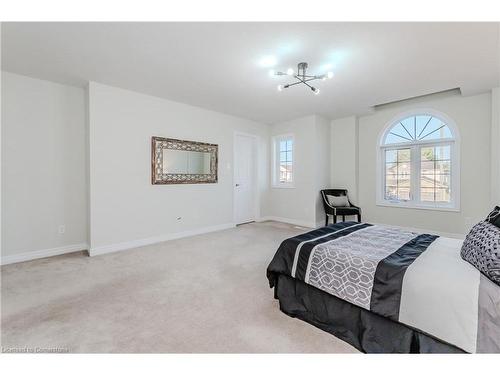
207 293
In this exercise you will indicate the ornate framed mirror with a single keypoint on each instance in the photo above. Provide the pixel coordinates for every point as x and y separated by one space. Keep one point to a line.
175 161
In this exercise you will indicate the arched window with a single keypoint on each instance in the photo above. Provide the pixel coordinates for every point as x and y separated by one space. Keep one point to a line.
419 162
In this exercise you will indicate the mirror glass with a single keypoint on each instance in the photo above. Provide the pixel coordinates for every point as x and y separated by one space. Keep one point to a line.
186 162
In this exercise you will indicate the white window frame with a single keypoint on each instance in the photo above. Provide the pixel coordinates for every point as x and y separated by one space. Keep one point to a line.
415 146
276 161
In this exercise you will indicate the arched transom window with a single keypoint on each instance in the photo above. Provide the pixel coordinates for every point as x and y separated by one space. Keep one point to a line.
419 163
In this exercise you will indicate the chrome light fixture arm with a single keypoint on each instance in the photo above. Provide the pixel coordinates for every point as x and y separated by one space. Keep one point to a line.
302 77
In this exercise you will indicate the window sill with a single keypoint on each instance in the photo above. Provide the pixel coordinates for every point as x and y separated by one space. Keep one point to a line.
418 206
284 186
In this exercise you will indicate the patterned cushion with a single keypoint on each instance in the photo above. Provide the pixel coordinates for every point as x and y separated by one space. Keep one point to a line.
481 248
494 217
340 201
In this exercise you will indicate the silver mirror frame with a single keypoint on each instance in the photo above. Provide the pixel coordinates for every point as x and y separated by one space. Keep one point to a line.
158 177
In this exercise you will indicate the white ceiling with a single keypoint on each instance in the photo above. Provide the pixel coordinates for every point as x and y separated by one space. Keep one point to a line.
218 65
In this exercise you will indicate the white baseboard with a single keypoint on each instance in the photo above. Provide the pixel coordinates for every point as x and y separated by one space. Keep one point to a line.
321 224
300 223
99 250
37 254
422 230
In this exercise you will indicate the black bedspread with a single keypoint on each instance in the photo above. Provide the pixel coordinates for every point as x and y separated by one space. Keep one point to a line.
366 331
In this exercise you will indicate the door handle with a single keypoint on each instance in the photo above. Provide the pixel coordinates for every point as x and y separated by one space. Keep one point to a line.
237 185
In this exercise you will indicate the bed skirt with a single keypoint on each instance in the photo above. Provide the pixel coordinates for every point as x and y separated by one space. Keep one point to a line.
366 331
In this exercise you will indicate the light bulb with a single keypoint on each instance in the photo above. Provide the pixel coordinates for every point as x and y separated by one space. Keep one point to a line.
280 87
329 74
316 91
289 71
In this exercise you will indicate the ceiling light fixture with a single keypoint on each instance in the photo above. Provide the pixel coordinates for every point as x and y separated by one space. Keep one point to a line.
301 77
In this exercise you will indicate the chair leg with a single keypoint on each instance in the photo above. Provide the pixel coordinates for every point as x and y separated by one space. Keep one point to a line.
334 219
359 218
326 220
343 217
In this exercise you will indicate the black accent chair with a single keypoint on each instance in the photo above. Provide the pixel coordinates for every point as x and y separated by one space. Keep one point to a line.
337 211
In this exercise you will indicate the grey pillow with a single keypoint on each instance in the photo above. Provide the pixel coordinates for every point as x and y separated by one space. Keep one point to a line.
481 248
494 217
340 201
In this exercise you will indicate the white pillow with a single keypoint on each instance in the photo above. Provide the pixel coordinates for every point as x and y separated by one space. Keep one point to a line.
340 201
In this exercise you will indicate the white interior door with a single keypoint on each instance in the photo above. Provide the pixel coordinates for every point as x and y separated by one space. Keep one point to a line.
244 179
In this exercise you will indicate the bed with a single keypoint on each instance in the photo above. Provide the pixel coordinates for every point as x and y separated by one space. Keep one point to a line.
387 290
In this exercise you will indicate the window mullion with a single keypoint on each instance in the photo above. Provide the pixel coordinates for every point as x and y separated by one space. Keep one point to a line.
416 173
383 185
418 163
277 163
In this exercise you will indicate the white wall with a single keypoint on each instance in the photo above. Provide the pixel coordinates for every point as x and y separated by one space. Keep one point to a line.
296 204
300 204
1 153
473 117
344 156
47 127
125 208
43 167
495 146
321 165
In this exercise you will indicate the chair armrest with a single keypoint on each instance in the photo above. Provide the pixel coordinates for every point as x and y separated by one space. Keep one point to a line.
329 208
353 205
329 205
325 201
